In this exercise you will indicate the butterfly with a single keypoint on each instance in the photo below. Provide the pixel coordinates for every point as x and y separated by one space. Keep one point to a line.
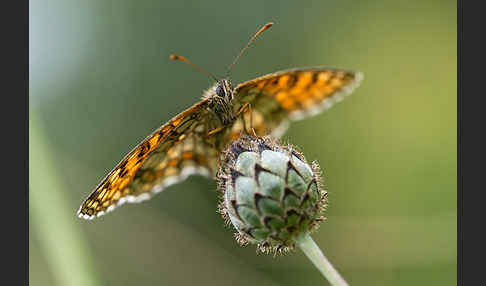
192 142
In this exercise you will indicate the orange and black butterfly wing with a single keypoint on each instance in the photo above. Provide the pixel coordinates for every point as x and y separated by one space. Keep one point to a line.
292 95
176 150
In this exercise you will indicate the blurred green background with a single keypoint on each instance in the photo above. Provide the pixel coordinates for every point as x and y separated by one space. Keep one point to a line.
101 80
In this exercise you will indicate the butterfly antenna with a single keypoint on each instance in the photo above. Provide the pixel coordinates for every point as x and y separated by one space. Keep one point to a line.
262 29
181 58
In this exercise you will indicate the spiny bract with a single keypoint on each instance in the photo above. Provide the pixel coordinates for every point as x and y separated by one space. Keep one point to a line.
269 193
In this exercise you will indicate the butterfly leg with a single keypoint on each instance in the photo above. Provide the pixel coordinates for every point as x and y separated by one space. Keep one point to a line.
215 130
210 134
243 109
251 120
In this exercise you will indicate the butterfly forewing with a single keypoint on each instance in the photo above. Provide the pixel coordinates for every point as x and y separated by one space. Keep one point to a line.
171 153
293 94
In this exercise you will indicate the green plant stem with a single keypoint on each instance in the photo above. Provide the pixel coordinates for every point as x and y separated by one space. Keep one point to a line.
314 253
53 219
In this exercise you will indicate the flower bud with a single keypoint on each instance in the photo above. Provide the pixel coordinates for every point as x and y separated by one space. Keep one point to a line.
270 194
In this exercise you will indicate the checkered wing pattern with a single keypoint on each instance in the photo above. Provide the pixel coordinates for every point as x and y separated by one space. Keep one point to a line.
177 149
294 94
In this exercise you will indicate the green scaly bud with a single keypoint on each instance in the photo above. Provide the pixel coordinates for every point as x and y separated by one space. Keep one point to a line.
270 194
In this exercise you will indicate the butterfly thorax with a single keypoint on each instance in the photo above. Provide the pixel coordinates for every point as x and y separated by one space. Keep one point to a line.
220 98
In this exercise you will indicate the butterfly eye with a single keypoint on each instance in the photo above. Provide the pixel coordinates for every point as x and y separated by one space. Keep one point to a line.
220 91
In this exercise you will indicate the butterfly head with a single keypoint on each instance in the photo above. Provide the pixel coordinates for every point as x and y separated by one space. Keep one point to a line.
220 98
224 90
